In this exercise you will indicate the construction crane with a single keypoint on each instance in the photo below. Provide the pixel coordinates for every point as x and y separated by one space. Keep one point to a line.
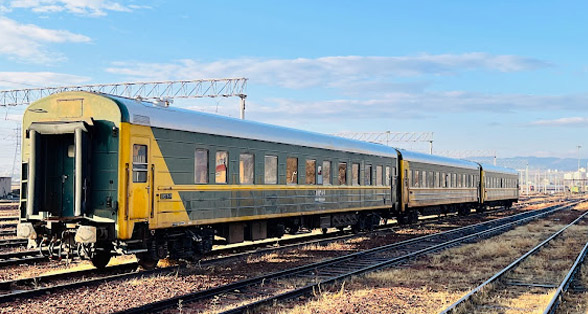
157 90
388 137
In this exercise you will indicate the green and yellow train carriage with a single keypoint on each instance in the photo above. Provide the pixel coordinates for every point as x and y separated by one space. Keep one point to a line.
106 174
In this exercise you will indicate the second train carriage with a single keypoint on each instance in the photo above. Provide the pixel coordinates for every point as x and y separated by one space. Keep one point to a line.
438 183
108 175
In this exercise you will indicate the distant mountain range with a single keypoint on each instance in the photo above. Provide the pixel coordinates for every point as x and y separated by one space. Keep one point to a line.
541 163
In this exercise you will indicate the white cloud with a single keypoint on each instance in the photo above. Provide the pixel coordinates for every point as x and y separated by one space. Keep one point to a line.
28 42
334 72
80 7
16 80
562 122
399 106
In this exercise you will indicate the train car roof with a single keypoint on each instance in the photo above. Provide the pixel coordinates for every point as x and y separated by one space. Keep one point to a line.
438 160
149 114
496 169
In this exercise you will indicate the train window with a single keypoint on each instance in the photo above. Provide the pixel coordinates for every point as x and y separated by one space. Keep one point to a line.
271 170
431 179
436 184
201 166
246 165
368 175
453 180
424 179
310 171
222 167
342 173
379 175
355 174
417 179
139 163
292 170
326 173
387 179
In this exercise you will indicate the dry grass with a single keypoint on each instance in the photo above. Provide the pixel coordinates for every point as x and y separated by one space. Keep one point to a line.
431 283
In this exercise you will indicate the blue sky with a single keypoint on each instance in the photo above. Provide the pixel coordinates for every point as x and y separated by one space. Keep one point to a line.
503 76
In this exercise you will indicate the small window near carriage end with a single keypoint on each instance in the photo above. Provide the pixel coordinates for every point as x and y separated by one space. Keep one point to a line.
139 163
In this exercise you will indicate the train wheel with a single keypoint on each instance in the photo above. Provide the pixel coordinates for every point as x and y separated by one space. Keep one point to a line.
293 229
402 220
146 261
413 216
101 256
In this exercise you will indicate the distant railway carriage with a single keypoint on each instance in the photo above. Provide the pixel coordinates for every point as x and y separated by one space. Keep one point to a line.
500 185
434 182
106 174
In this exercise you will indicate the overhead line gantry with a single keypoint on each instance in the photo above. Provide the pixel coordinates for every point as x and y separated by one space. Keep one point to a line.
156 90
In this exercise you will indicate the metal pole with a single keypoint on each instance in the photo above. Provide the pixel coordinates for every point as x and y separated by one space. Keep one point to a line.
527 178
242 97
579 157
31 175
431 146
78 172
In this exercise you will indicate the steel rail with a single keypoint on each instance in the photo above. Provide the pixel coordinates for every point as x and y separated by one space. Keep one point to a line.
23 257
36 280
12 243
200 295
83 283
468 297
7 232
563 287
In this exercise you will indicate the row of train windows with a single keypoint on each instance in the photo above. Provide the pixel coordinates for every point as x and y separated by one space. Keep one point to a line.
500 183
430 179
314 174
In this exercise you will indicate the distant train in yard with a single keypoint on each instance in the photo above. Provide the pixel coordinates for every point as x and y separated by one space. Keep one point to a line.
105 175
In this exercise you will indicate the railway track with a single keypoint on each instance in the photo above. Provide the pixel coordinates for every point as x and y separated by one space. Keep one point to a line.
23 285
227 252
517 286
11 243
8 232
567 283
24 257
251 293
8 218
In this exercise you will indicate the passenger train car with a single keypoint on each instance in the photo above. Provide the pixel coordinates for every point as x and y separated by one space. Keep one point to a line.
105 175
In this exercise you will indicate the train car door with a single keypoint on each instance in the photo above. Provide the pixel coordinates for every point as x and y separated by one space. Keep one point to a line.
405 179
141 183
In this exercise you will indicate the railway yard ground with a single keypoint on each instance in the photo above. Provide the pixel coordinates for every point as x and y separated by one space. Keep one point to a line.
427 282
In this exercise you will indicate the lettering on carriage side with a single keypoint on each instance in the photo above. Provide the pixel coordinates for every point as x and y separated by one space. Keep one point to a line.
320 196
165 196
